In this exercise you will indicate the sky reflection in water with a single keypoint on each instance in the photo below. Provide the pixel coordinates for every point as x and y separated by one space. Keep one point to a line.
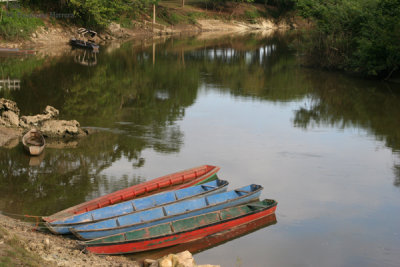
324 145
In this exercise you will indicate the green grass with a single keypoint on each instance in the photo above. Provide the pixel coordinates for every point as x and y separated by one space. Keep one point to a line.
18 24
16 255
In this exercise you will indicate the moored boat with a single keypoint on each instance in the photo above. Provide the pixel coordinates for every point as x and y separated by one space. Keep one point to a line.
84 42
168 213
181 231
33 142
210 241
182 179
137 205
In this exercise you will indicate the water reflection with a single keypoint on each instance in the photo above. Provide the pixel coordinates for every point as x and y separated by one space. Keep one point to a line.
210 241
341 102
85 57
323 144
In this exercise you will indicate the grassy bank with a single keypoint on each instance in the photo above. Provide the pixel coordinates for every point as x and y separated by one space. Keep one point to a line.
18 23
12 252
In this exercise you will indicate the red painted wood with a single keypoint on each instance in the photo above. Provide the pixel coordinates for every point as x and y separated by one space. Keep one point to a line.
173 181
211 240
179 238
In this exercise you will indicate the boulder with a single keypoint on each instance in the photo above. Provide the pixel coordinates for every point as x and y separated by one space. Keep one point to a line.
61 128
10 118
9 137
8 105
182 259
37 120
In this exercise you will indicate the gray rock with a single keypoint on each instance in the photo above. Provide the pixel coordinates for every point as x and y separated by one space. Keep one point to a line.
61 128
8 105
9 137
38 120
10 117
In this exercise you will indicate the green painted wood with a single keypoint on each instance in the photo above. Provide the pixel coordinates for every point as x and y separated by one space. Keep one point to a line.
185 224
194 222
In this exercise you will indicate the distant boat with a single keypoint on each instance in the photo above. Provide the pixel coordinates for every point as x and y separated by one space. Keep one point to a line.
168 213
84 44
83 41
182 179
181 231
136 205
33 142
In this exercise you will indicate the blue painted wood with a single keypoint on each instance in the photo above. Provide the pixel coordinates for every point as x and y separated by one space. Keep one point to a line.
136 205
167 213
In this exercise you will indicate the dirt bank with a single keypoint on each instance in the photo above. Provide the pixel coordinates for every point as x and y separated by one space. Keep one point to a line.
21 245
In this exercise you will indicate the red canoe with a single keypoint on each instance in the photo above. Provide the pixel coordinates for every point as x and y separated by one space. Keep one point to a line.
181 231
173 181
211 241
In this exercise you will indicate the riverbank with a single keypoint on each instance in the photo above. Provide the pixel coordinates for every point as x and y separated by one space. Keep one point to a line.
55 34
26 244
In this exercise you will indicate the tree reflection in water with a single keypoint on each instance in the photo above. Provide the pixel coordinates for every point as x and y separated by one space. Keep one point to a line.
136 105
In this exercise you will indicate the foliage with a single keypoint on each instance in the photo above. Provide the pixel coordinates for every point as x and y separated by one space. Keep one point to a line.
356 35
98 13
17 24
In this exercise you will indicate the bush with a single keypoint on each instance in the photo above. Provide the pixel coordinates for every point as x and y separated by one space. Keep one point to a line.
360 36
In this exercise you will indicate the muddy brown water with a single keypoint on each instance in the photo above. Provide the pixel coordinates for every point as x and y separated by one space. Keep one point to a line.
324 145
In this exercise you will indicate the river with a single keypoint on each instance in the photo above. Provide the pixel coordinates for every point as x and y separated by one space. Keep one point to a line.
326 146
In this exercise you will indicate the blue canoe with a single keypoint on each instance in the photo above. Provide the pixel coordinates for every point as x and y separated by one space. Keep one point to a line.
168 213
136 205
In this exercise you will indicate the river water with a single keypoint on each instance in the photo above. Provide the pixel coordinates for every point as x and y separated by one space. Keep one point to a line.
324 145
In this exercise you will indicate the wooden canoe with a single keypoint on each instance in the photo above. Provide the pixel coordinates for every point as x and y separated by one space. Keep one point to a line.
33 142
181 231
183 179
168 213
137 205
210 241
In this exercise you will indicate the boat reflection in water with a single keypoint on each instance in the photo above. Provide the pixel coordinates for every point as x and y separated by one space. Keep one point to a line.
210 241
84 57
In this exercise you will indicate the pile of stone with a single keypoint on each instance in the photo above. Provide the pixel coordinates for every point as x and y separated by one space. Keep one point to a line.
46 123
183 259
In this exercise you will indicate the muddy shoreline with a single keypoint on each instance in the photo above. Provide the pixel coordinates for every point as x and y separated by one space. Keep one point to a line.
55 37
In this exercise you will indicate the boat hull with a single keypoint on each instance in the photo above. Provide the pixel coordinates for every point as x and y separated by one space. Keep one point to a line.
168 213
84 45
137 205
143 244
210 241
173 181
40 143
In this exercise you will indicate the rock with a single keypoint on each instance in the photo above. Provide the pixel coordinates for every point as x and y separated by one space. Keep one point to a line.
114 27
46 243
150 263
53 112
183 259
61 128
37 120
166 261
8 105
10 117
9 137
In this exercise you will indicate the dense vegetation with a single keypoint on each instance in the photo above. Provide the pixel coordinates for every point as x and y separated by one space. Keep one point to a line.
360 36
